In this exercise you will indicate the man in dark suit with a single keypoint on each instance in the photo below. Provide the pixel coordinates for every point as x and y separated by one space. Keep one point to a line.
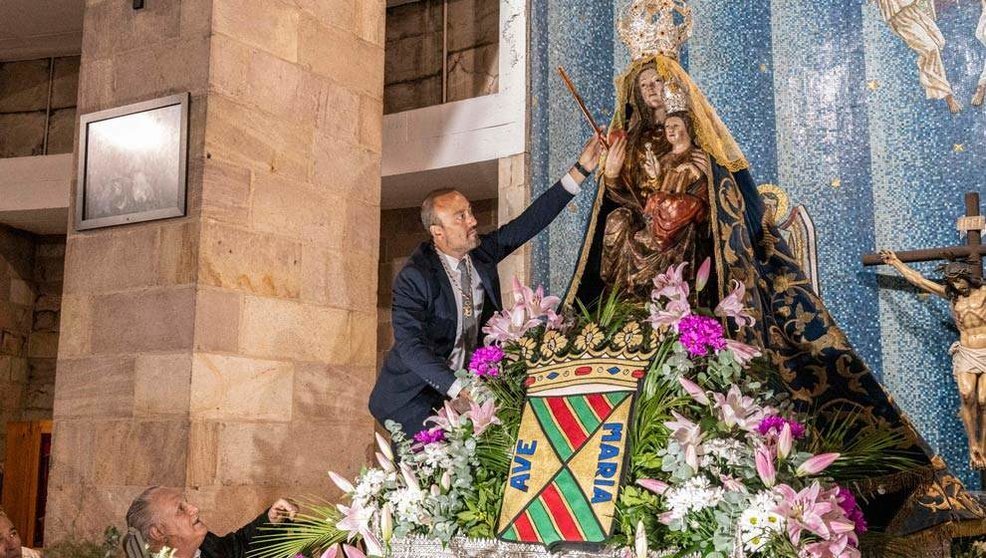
447 290
162 517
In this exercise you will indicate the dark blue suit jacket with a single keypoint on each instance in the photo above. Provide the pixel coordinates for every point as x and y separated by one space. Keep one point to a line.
415 378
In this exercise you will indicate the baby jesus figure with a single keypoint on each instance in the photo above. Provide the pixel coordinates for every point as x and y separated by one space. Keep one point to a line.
680 201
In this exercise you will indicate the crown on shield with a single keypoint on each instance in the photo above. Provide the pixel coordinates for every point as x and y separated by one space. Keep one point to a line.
651 27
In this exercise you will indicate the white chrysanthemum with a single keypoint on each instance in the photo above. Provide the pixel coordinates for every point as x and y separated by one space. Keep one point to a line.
727 451
407 504
695 494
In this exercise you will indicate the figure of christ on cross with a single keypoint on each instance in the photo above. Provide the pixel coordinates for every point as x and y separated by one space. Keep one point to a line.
964 289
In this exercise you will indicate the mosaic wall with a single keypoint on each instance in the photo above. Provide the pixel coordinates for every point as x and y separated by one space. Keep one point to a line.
826 103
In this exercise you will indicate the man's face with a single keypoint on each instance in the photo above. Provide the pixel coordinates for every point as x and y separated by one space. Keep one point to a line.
10 540
676 132
178 520
651 88
457 234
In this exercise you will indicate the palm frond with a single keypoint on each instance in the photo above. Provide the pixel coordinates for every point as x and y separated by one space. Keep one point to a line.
312 531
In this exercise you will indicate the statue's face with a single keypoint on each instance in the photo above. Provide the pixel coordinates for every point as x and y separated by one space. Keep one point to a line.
676 131
651 88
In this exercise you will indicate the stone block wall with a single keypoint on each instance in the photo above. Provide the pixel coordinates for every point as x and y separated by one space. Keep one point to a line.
16 304
416 34
229 352
37 106
30 293
400 233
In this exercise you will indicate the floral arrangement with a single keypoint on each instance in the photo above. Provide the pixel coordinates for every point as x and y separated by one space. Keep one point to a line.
714 470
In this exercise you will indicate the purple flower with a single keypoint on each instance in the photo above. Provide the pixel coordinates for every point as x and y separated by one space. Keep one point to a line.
484 361
699 334
432 436
775 423
849 505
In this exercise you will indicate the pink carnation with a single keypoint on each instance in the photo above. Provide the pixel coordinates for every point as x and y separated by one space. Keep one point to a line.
699 334
485 360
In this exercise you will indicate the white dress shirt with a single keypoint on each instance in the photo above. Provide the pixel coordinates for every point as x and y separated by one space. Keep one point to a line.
458 359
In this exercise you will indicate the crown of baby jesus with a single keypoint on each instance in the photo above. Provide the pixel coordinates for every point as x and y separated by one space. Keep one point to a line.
650 27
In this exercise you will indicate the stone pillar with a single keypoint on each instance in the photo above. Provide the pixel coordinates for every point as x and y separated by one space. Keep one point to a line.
513 198
229 352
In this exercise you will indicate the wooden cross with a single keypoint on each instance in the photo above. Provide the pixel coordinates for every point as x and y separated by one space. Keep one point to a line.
972 251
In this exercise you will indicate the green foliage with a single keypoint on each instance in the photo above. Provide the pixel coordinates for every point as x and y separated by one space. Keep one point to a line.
109 548
312 531
866 451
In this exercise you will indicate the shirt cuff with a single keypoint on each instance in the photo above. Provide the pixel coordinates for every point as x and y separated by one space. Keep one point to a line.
453 391
570 185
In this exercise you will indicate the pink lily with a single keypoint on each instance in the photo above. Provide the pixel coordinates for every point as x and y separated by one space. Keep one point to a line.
689 436
482 416
765 467
732 306
732 484
387 522
640 540
343 484
671 284
356 521
803 511
736 409
742 352
331 552
410 479
385 464
654 485
666 518
670 314
448 419
384 446
693 389
702 276
353 552
785 442
816 464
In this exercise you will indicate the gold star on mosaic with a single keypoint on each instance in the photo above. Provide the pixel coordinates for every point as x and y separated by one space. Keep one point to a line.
873 85
837 183
959 148
763 68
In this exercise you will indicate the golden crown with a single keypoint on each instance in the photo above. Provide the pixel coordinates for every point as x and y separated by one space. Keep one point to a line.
650 27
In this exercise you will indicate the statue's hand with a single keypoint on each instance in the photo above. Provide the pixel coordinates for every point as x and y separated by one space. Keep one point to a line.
889 257
614 158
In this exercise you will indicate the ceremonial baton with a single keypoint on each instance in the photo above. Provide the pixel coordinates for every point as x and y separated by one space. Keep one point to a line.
581 103
596 128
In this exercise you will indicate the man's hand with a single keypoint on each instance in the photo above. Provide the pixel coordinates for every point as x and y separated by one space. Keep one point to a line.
29 553
462 402
591 152
282 510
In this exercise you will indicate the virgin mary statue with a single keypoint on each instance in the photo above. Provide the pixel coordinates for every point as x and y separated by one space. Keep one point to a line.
676 188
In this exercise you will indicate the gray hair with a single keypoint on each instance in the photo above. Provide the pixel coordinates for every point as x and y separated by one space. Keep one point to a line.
428 207
140 516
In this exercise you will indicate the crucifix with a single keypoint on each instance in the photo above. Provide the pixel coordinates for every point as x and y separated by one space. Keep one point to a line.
965 291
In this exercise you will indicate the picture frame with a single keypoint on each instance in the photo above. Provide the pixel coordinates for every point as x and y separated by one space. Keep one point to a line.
133 163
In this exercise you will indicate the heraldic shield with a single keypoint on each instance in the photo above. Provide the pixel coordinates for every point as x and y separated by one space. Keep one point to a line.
571 449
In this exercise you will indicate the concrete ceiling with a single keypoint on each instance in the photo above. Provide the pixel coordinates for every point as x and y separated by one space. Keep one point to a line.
476 181
40 28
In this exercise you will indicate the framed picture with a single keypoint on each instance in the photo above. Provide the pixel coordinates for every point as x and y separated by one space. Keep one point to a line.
133 163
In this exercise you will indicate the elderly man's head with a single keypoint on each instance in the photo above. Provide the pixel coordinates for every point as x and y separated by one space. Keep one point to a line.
10 540
447 215
165 518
